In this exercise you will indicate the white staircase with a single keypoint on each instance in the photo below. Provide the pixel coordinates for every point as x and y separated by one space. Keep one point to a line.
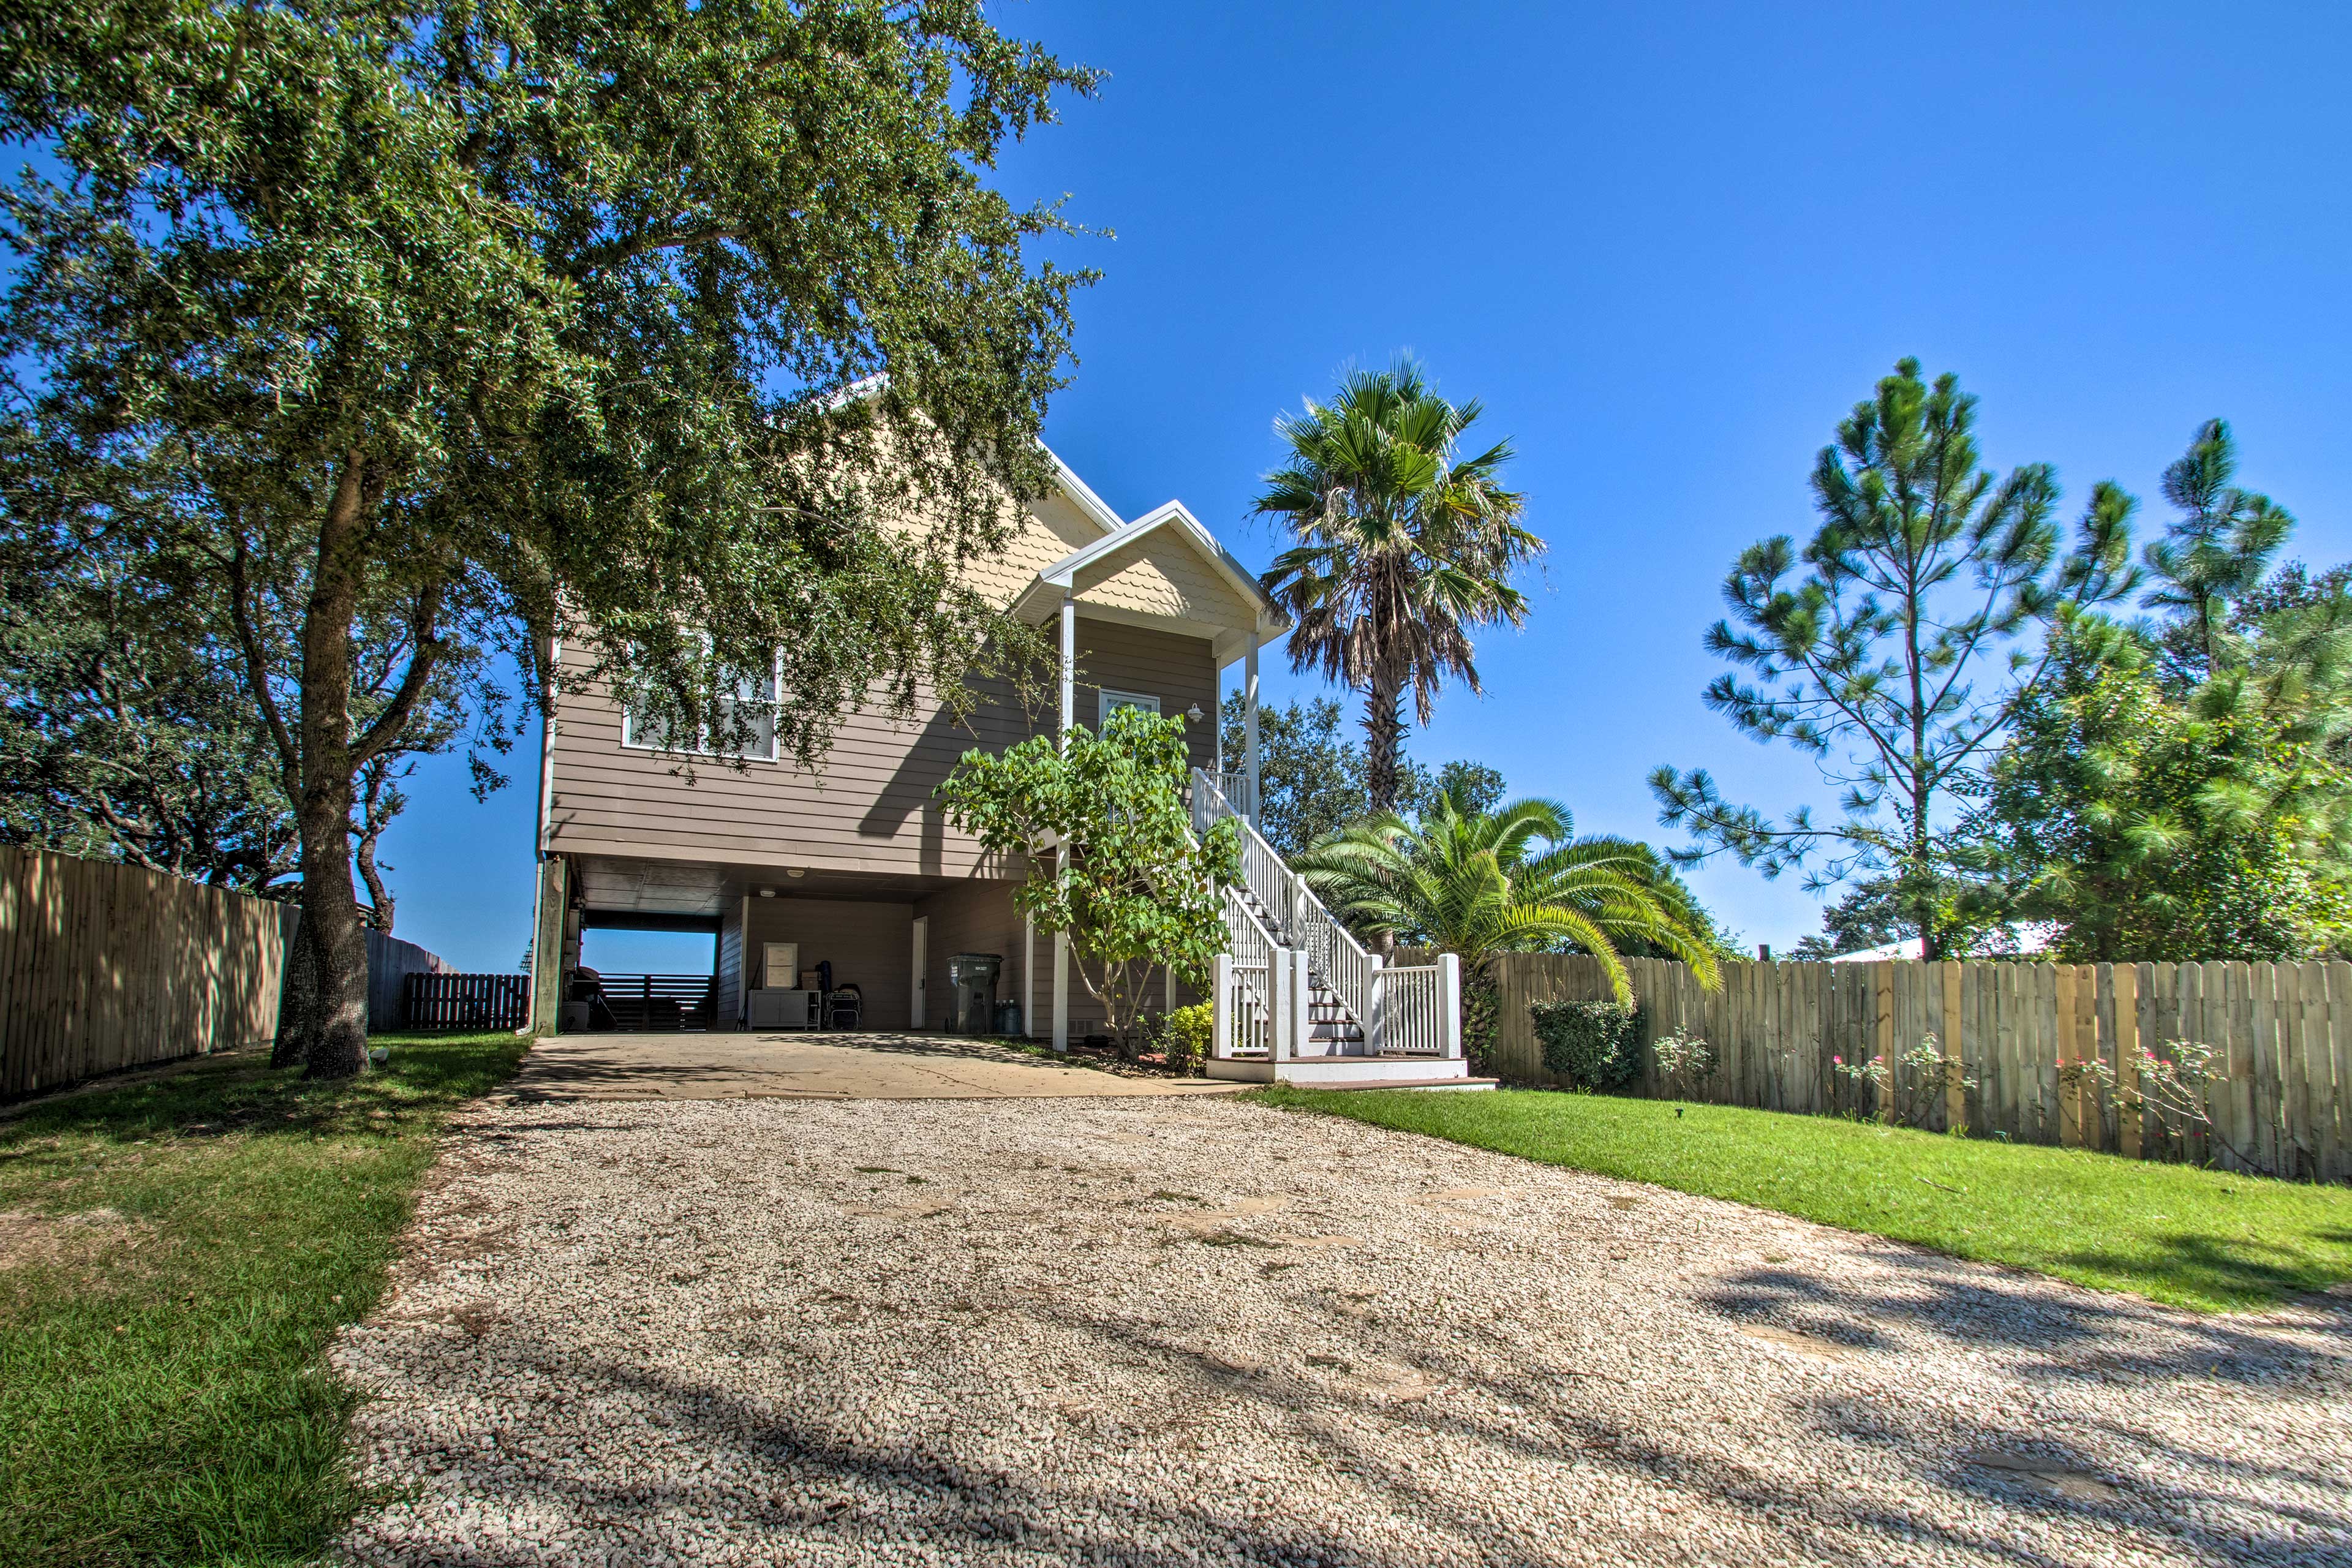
1298 1000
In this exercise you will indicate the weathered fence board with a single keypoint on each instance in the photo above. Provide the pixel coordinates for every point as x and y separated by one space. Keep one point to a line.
2050 1053
105 966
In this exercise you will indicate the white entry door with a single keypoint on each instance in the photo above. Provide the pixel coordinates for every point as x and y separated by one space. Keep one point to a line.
922 942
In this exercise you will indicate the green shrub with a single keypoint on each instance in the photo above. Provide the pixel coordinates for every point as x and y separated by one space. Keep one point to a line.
1188 1034
1593 1044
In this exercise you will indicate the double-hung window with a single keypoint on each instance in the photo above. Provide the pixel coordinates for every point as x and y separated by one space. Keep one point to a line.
747 714
1112 701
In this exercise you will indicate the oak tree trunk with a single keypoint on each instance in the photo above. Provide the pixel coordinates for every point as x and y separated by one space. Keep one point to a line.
335 1043
298 1007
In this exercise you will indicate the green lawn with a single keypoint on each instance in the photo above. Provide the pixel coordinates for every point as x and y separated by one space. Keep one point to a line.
199 1238
2195 1239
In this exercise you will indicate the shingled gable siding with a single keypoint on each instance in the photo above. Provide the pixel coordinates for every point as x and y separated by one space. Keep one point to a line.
1160 575
872 809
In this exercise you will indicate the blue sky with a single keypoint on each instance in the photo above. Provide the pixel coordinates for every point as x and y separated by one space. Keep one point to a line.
1667 247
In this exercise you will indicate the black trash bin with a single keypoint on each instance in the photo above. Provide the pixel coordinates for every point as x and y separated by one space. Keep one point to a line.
1008 1016
971 986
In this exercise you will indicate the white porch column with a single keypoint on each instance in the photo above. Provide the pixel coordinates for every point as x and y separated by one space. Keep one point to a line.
1449 1002
1070 717
1069 663
1302 1000
1221 1016
1061 991
1249 724
1028 977
1278 996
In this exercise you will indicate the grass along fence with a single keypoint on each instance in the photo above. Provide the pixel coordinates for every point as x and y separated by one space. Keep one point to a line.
105 966
2036 1053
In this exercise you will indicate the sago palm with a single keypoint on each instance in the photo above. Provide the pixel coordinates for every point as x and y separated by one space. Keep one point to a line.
1403 547
1512 881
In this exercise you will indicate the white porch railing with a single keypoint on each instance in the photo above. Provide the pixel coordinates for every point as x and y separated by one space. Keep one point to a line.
1420 1008
1275 961
1299 919
1236 788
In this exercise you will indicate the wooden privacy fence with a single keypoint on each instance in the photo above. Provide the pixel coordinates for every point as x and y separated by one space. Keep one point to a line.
390 963
2279 1096
449 1001
104 966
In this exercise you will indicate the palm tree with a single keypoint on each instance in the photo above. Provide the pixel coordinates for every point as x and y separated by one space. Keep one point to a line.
1403 547
1514 879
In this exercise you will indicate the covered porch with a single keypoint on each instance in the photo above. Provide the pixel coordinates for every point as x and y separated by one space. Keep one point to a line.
797 949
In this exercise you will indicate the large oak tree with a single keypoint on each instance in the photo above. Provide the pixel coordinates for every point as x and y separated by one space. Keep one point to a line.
626 322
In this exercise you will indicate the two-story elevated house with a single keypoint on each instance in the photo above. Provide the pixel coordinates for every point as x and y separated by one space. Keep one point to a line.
855 873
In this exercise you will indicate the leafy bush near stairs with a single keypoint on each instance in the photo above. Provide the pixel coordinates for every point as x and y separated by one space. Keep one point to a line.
1593 1044
1189 1030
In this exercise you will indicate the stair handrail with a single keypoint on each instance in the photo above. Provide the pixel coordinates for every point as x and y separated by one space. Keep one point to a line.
1252 945
1301 919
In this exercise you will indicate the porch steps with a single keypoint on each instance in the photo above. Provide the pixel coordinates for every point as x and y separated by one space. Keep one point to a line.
1353 1072
1331 1040
1331 1028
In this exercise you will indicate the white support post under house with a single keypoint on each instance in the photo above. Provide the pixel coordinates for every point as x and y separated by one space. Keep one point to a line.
1028 977
1070 717
1249 725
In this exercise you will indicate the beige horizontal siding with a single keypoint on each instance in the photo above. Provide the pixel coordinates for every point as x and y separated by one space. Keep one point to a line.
977 916
869 807
1178 670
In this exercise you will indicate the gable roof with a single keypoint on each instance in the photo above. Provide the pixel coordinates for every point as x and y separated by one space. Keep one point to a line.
1097 510
1169 515
1173 521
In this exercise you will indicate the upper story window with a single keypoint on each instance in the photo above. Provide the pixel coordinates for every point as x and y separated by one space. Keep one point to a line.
747 711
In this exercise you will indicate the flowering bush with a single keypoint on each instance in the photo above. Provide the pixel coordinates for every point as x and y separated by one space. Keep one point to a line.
1912 1096
2173 1088
1684 1061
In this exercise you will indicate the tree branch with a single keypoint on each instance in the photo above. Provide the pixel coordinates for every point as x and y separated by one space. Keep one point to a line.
256 670
386 733
673 240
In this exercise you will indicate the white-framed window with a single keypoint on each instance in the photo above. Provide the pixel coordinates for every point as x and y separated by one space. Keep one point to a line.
1112 701
753 697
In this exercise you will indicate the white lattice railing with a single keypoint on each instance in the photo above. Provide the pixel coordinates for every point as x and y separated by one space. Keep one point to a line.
1236 788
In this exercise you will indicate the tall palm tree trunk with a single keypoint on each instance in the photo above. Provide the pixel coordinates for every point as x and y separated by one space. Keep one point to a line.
1384 740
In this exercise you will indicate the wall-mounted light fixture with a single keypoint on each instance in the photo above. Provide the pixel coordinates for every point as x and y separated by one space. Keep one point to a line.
797 872
767 892
1193 713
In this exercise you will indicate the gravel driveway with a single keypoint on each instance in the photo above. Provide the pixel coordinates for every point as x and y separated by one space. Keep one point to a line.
1198 1331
